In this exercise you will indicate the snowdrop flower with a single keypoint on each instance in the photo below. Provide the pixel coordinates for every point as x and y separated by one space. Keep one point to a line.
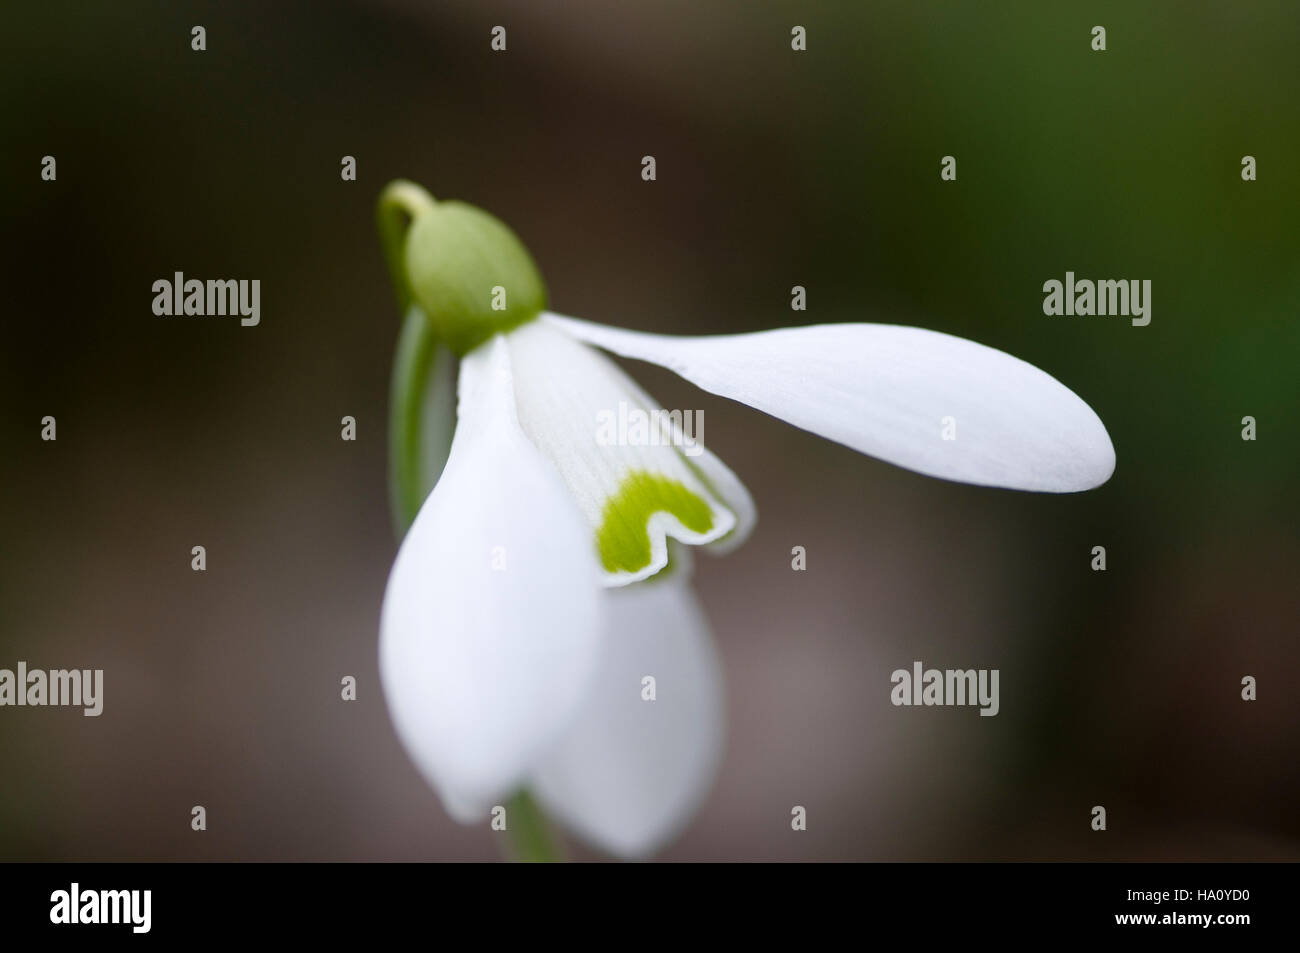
545 573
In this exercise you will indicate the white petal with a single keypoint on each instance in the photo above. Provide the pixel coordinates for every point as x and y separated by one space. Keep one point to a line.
630 773
492 616
635 478
888 390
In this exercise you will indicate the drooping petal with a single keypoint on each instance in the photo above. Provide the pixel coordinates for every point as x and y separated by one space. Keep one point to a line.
631 771
636 476
930 402
491 621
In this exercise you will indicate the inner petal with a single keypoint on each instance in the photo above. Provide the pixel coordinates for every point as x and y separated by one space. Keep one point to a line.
623 537
635 473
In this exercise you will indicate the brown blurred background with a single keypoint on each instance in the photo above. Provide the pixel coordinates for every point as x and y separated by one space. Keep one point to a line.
774 169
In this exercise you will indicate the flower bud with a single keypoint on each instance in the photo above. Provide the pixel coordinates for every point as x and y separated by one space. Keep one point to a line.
470 274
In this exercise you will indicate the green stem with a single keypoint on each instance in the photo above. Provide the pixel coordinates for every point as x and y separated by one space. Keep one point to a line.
421 418
531 839
422 411
399 204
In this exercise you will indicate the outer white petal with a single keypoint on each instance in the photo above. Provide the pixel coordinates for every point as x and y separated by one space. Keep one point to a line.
887 390
571 400
491 621
630 773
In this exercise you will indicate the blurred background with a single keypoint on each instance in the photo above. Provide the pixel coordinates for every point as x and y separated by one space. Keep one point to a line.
775 168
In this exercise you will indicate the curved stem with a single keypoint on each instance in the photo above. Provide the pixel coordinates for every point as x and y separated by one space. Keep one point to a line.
399 204
422 411
421 417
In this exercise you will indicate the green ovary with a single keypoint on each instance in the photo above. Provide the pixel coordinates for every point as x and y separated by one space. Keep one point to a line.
623 537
